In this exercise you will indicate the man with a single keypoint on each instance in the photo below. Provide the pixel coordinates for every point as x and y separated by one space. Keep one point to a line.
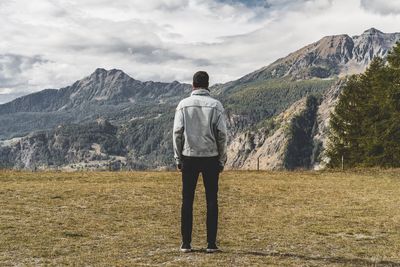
199 137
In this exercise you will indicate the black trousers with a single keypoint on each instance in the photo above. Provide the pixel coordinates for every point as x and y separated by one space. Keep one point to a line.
191 167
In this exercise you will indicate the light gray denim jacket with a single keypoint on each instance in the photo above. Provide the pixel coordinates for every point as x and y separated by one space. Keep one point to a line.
200 127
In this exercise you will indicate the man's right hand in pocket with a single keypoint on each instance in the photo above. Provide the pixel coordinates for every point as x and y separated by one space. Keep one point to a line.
179 167
221 168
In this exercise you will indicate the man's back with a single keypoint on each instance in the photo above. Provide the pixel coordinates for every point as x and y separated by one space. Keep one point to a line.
200 120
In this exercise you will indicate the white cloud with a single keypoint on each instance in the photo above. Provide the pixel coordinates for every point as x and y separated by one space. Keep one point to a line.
6 91
52 43
382 6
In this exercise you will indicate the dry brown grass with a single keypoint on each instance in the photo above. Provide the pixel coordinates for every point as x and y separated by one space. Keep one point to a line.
266 218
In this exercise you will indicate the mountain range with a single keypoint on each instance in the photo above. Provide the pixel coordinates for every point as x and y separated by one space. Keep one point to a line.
278 116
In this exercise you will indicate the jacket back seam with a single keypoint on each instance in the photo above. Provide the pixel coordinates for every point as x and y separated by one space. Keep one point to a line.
200 107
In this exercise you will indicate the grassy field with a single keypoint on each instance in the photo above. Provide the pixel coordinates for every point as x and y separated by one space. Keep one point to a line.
266 218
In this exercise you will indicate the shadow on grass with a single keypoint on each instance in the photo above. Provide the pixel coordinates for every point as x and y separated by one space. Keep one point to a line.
343 260
203 250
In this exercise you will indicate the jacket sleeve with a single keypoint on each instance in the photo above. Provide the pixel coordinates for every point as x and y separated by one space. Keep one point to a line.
221 138
177 132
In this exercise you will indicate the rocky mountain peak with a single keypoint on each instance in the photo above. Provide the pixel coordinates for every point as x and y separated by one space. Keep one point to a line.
337 55
369 44
100 70
101 85
337 46
103 74
372 31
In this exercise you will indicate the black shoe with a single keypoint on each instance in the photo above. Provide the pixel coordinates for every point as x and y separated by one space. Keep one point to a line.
211 248
185 247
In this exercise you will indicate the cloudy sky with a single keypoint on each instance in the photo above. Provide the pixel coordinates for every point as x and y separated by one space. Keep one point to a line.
52 43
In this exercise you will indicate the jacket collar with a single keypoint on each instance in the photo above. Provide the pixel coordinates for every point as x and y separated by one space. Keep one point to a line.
200 91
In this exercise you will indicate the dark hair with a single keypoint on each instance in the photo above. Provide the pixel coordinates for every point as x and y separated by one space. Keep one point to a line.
200 79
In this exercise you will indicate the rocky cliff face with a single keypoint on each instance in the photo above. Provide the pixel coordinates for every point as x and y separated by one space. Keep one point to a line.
320 136
287 143
268 144
279 146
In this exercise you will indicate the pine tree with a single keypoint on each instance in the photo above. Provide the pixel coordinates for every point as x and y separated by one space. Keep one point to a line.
391 135
345 124
365 125
373 115
394 57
